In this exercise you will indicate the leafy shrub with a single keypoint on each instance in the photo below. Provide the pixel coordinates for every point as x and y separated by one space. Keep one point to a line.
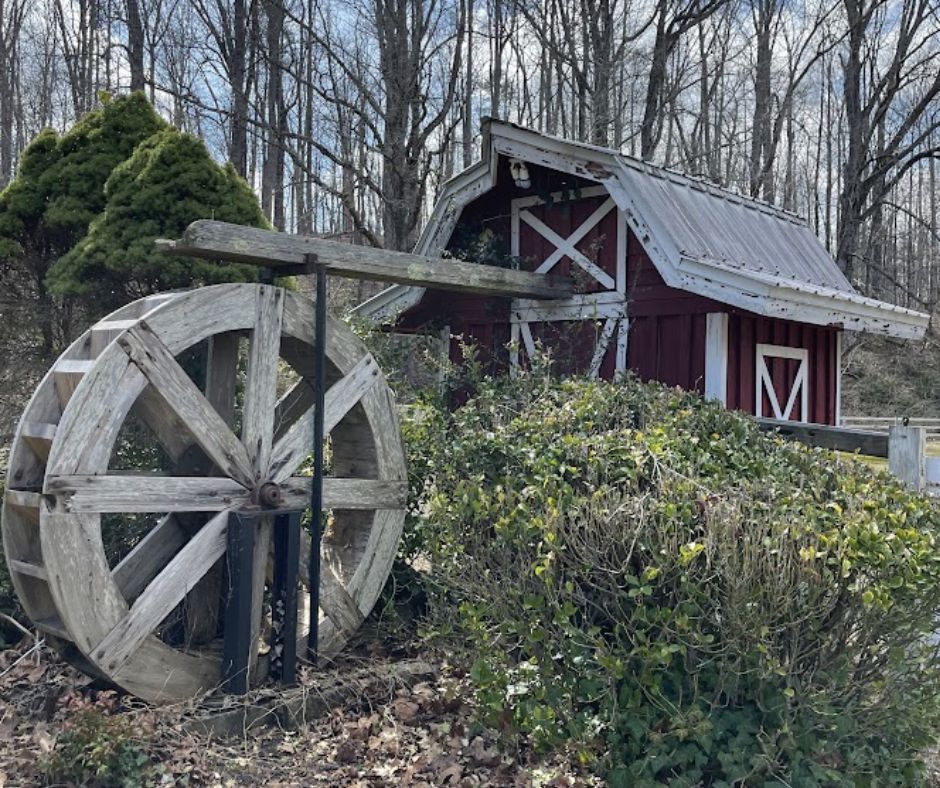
99 749
647 577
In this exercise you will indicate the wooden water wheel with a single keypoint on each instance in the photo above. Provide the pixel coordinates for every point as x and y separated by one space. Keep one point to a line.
147 618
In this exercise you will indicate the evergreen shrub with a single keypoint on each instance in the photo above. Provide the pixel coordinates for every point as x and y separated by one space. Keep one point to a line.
647 579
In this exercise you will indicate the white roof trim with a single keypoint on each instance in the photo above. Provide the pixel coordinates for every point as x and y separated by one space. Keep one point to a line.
756 291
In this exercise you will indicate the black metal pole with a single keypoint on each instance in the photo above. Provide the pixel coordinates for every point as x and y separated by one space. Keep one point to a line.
316 488
286 564
238 602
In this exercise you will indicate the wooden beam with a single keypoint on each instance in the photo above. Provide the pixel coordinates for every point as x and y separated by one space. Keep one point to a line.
873 444
234 243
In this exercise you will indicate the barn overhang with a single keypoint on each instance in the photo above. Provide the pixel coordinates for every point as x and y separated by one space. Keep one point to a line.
701 238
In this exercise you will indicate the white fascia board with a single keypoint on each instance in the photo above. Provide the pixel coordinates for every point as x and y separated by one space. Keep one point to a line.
824 308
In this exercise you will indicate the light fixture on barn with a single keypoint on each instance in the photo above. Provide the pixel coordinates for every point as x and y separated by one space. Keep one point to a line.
520 173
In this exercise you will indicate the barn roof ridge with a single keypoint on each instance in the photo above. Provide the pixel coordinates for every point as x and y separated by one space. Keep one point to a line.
669 173
697 234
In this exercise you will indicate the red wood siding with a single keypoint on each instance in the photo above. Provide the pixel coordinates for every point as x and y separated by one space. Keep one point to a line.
746 331
667 326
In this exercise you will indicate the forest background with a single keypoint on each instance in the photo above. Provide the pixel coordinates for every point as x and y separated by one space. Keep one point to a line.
346 116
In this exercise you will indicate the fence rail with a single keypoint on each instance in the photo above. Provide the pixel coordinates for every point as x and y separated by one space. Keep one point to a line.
904 446
883 423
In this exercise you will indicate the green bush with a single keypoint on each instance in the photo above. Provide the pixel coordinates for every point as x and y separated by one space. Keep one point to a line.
99 748
648 579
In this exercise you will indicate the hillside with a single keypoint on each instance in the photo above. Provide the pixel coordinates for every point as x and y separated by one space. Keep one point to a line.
889 377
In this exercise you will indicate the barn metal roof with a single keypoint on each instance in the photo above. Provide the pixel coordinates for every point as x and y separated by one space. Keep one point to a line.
701 238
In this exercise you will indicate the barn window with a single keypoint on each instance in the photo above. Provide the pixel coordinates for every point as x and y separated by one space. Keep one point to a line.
782 378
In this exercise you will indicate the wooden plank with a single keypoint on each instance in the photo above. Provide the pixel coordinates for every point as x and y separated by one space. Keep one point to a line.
183 397
146 493
868 442
28 568
144 562
261 383
38 436
259 576
341 397
52 625
103 333
163 594
338 605
223 241
907 449
26 503
222 374
67 374
347 493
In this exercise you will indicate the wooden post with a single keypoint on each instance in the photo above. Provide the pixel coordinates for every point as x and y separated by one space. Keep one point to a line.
906 454
316 486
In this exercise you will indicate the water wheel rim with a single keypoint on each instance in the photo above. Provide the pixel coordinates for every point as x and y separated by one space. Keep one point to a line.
113 634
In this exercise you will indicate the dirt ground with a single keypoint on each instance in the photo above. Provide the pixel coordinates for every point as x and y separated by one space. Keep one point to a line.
420 735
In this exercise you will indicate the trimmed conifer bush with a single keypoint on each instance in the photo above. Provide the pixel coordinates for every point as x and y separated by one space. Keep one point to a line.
649 580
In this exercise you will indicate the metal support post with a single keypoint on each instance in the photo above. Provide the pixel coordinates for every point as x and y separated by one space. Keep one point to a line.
286 564
237 642
316 488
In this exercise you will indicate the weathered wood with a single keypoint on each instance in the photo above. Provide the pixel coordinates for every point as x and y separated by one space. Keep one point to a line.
163 594
261 383
907 450
222 241
873 444
146 493
259 576
83 592
338 604
239 603
342 396
88 602
182 396
68 374
144 562
103 333
27 568
298 707
38 436
222 375
347 493
202 606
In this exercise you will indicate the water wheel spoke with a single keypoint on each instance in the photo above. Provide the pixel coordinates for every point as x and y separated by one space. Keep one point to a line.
291 450
343 493
145 560
145 493
183 397
337 603
261 383
164 593
222 374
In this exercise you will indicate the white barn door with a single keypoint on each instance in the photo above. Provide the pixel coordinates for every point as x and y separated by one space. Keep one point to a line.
782 402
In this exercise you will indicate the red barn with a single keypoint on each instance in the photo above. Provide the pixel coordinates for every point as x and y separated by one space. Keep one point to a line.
679 280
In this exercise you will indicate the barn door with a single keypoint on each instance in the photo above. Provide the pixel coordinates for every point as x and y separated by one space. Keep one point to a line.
782 382
581 234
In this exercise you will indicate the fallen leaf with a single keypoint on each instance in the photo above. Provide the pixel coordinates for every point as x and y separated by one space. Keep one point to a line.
347 752
405 710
